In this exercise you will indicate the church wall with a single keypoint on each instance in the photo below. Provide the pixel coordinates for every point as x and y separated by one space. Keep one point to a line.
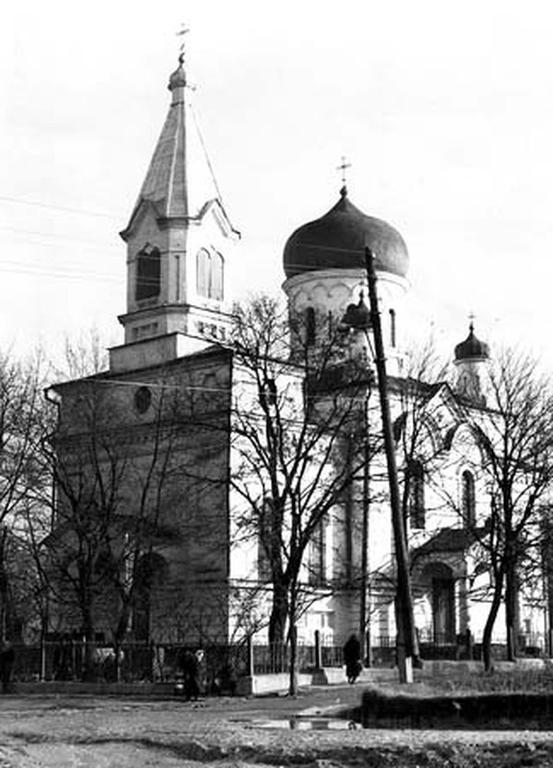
186 424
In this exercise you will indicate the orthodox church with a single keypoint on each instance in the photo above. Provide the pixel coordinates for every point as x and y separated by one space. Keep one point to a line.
176 367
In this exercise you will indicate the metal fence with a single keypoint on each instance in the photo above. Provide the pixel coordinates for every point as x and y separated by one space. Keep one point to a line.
134 662
75 660
142 662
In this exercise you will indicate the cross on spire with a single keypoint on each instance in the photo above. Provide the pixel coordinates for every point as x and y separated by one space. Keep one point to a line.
472 318
181 33
344 165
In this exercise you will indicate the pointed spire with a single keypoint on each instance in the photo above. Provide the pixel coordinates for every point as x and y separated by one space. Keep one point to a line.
180 181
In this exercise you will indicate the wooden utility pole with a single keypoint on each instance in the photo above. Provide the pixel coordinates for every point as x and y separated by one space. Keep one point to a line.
404 604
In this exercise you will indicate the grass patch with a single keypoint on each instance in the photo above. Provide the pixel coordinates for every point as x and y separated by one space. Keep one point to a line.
517 680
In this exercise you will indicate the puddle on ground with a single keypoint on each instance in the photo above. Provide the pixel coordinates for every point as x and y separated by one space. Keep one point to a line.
308 724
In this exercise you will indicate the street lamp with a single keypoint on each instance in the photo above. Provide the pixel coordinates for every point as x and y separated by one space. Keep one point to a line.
361 318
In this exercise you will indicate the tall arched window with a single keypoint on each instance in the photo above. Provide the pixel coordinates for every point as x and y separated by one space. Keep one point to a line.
217 273
148 273
310 326
415 478
393 339
468 499
316 563
209 274
203 269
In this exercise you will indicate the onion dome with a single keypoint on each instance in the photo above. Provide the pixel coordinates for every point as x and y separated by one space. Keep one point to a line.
338 240
472 348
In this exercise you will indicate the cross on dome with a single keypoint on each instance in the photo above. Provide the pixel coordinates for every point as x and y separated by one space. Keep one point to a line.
344 165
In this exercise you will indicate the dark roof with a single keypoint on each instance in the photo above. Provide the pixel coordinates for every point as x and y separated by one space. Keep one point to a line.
448 540
338 240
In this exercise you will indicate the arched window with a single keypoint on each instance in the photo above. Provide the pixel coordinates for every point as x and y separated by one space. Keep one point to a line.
209 274
203 270
217 274
316 574
148 273
415 479
393 328
468 499
310 326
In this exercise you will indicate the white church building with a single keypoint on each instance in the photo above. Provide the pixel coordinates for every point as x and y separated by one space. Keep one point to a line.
180 248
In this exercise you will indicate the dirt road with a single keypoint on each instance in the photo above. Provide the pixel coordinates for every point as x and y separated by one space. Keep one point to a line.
92 731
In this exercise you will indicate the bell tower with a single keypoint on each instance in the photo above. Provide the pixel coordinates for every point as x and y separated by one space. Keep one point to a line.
180 244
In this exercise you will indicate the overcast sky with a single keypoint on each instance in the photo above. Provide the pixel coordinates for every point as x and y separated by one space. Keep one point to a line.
444 109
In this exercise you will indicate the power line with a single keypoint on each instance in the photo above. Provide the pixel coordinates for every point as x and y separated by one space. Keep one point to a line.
56 236
50 206
85 277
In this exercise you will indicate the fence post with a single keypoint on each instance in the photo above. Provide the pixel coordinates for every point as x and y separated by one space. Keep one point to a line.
318 659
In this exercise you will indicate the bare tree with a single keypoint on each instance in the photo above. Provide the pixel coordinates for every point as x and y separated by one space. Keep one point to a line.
23 479
115 482
83 354
515 435
299 409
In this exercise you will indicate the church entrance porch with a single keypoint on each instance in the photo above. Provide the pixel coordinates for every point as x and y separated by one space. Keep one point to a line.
435 607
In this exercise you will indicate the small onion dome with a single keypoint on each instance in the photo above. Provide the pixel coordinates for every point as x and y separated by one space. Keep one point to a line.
357 316
338 240
178 78
471 348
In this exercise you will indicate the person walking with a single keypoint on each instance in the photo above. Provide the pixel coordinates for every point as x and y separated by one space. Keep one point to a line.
191 675
352 658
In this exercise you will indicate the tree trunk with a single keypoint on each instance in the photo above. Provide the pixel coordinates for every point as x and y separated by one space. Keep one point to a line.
511 608
490 621
88 636
293 640
277 623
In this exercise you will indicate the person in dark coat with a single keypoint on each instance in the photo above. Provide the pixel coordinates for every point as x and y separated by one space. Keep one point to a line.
352 658
7 660
190 667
